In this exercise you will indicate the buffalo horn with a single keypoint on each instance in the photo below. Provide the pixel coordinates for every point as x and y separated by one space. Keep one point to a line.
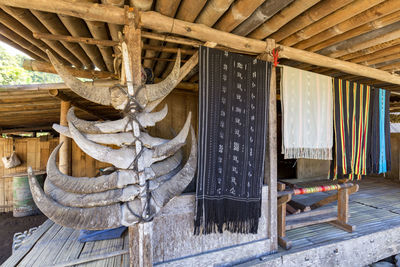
96 218
121 158
85 185
97 94
180 181
154 92
105 198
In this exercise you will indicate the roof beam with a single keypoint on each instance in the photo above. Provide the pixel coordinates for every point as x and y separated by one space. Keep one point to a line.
63 97
158 22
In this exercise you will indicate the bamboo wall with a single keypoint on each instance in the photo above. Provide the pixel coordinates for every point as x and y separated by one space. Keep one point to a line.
35 152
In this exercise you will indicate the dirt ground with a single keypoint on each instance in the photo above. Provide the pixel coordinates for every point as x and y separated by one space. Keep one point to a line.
10 225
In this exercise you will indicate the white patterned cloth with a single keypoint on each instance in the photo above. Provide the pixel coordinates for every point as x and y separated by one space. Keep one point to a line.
307 109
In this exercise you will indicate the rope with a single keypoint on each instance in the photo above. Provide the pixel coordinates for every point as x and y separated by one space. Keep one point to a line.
133 105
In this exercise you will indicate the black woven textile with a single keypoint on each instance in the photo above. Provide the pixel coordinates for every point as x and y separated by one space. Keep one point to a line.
233 120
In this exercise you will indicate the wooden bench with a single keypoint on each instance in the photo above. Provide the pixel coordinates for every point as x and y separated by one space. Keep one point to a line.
311 214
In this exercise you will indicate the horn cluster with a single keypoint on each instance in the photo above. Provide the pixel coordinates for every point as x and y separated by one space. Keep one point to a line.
148 171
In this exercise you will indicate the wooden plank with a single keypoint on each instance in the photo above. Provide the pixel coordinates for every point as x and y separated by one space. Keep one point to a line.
26 247
307 214
332 198
301 222
44 244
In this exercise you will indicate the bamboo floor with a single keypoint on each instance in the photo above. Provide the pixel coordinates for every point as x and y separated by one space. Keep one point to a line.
373 209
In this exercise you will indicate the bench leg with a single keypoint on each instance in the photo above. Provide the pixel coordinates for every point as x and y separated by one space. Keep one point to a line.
343 211
282 240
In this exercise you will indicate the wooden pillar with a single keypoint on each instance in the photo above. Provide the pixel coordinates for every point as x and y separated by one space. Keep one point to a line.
271 168
140 235
65 151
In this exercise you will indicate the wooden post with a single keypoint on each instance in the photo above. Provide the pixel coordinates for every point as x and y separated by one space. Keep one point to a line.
271 168
343 205
140 235
65 150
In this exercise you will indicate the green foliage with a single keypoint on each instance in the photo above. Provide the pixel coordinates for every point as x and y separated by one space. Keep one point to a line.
11 71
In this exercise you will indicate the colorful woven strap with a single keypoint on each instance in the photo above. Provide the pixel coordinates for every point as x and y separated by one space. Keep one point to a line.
315 189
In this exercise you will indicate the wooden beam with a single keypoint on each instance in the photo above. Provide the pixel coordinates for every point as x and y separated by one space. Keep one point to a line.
26 129
92 41
64 99
32 87
158 22
35 65
65 150
331 63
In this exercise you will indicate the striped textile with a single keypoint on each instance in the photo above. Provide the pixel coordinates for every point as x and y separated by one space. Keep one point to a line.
360 123
379 143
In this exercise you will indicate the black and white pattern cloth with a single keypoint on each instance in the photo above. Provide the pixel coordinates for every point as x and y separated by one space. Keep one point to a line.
233 122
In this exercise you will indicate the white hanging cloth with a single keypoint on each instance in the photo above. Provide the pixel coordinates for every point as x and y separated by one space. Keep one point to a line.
307 109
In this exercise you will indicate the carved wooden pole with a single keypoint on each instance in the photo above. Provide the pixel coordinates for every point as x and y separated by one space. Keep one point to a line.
140 235
65 151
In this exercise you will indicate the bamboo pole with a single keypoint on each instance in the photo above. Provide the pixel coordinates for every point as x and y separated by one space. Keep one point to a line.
18 47
48 67
142 5
263 13
188 11
55 26
370 26
26 18
371 49
376 12
312 15
237 13
78 28
114 28
21 30
99 31
22 42
65 150
340 15
351 47
167 8
212 11
393 50
282 18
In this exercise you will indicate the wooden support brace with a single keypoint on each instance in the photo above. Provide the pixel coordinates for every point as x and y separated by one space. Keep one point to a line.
332 198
